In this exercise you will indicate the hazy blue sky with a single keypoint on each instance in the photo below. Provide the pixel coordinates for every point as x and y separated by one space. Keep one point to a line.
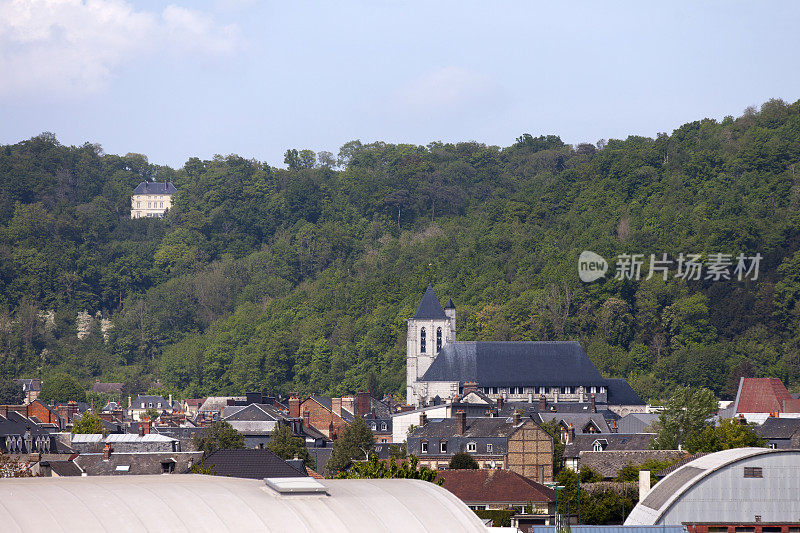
254 78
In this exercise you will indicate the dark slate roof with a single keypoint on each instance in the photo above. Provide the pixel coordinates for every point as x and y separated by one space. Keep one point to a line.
637 422
155 400
64 468
251 464
613 441
476 427
528 363
430 307
256 412
579 421
450 304
135 463
779 428
621 393
158 187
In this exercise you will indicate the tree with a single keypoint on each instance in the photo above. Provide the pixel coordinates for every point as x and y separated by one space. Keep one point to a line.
152 414
219 435
62 388
11 393
463 461
287 446
88 423
685 416
355 444
376 469
730 433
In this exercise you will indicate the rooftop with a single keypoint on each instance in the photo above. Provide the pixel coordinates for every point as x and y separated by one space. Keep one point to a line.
502 486
764 395
158 187
429 307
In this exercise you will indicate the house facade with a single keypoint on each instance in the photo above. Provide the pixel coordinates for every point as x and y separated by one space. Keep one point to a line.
152 200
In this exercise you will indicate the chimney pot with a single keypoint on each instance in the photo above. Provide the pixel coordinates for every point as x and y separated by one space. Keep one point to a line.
461 422
517 418
336 406
570 434
423 419
542 402
594 404
294 406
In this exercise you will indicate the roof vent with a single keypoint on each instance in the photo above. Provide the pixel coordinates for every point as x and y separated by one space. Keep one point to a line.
295 485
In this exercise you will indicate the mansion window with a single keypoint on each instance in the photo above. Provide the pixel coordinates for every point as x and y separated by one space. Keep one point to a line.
489 448
438 340
422 341
443 447
423 446
472 447
567 390
602 390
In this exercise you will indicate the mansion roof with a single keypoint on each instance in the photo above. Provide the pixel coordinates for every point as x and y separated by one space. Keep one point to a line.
150 187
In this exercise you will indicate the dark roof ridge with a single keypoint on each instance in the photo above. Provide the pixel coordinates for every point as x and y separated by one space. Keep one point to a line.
430 307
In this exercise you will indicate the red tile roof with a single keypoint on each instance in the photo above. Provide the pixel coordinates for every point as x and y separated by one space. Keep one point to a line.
500 486
312 473
765 395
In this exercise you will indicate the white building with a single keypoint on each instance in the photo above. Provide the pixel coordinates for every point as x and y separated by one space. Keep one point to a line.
152 199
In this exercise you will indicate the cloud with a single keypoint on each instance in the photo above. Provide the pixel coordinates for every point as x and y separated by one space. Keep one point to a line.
446 89
76 46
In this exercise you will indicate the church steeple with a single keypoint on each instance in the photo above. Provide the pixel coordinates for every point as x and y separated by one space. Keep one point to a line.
430 308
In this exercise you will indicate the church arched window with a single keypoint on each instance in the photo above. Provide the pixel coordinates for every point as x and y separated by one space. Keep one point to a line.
422 340
438 339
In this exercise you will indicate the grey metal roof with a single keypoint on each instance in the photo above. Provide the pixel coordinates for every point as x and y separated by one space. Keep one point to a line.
429 307
157 187
493 364
218 504
674 487
636 422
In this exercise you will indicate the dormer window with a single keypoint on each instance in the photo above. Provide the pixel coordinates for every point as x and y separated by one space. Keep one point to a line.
438 340
489 448
422 339
383 426
423 446
472 447
443 446
142 405
598 446
373 427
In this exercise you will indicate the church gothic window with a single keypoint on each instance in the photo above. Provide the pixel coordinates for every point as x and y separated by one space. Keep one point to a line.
422 341
438 339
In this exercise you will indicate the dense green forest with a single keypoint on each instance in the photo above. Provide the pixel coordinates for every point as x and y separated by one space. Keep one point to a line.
302 279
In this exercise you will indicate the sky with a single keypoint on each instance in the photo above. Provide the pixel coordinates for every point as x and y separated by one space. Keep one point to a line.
174 80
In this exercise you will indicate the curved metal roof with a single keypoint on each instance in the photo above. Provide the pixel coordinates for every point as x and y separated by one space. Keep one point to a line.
196 503
677 483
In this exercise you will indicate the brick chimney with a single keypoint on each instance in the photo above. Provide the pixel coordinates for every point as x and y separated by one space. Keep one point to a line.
461 422
542 402
500 402
294 406
423 419
470 386
144 426
517 417
331 432
363 403
107 452
570 434
594 403
336 406
307 419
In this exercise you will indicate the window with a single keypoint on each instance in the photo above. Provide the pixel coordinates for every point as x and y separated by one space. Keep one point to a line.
138 205
422 340
423 446
471 447
542 390
383 426
159 405
443 447
383 440
567 390
142 405
150 405
167 467
438 339
373 427
753 471
489 448
602 390
597 446
593 390
772 445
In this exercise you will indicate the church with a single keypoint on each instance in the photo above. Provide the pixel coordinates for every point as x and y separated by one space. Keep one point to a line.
438 366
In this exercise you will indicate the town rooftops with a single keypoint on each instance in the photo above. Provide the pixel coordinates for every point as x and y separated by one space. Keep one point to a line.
476 427
527 363
495 486
155 187
429 307
764 395
584 442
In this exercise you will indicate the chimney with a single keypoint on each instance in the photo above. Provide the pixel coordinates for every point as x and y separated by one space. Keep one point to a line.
469 386
294 406
145 427
461 422
423 419
141 430
542 402
129 401
644 484
500 402
170 402
107 452
517 417
331 434
594 403
570 434
336 406
363 403
349 403
307 419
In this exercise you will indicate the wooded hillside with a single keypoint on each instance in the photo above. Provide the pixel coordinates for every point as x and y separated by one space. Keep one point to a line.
302 279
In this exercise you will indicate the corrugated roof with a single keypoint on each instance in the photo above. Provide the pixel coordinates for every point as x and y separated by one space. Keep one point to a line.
429 307
209 503
531 363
